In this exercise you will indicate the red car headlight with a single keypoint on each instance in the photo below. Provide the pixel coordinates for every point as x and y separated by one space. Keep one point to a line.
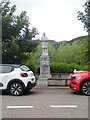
76 77
79 77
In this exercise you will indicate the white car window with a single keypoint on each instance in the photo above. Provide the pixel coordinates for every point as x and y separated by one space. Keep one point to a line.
5 69
24 68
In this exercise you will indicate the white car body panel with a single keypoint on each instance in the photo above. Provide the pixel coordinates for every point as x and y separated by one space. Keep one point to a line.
5 78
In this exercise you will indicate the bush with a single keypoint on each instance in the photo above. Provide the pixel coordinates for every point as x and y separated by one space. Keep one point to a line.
32 66
38 69
63 67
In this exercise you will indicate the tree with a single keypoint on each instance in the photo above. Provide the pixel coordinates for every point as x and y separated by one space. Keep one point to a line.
85 18
29 34
16 34
10 51
33 62
13 25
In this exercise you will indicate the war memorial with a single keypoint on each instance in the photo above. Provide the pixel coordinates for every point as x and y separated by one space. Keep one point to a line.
44 63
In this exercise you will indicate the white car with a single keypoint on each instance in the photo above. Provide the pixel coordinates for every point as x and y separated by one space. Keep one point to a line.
16 78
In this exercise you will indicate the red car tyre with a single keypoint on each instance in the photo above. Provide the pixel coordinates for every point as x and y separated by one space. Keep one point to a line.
85 88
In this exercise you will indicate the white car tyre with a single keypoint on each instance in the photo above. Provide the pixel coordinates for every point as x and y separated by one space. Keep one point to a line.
16 89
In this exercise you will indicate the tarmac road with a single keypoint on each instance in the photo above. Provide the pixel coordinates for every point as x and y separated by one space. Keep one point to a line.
50 102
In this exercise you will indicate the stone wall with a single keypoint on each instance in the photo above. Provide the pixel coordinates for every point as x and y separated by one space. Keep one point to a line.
55 80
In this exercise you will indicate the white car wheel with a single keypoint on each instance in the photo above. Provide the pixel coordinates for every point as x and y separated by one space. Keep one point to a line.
16 89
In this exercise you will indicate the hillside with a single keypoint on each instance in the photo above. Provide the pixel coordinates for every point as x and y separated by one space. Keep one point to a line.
57 44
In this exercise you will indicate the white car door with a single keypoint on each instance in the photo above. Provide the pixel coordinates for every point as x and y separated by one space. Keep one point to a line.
1 77
2 85
4 76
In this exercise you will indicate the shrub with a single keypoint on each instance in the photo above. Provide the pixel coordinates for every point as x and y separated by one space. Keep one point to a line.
63 67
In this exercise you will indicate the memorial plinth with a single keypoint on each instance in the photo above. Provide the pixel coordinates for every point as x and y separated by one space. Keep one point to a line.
44 63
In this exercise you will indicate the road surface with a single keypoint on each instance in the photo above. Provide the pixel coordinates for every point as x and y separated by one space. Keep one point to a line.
50 102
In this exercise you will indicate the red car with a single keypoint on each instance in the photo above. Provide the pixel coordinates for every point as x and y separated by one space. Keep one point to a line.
80 82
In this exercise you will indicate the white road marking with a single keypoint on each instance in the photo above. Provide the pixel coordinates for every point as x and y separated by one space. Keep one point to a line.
19 106
63 106
52 106
61 87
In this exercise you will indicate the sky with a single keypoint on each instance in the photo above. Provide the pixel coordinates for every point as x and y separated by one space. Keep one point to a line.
57 18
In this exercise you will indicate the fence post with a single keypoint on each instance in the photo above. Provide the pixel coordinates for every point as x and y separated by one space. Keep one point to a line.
66 82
